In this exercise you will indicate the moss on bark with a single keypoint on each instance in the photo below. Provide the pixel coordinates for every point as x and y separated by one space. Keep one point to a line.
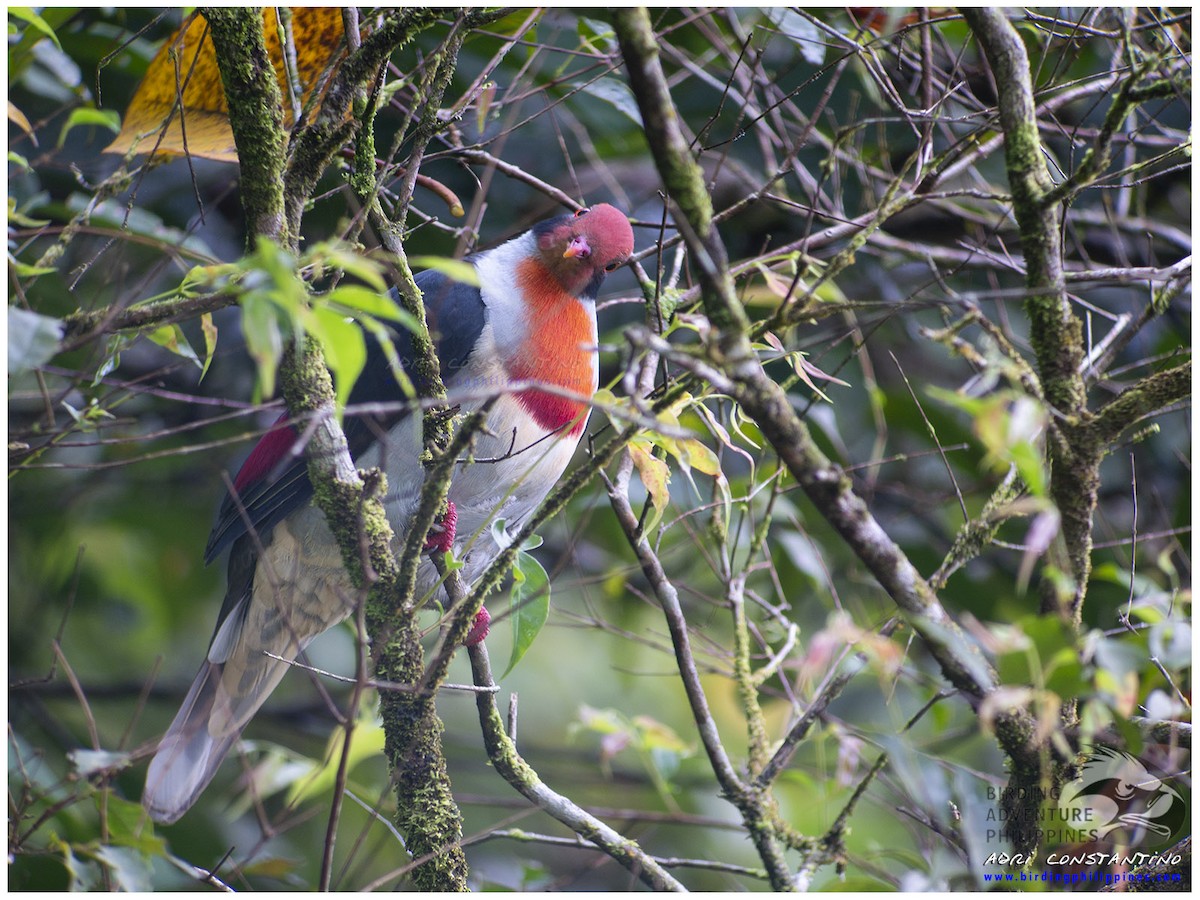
255 115
426 813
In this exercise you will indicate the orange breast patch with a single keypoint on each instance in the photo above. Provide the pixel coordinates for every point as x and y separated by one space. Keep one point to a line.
553 350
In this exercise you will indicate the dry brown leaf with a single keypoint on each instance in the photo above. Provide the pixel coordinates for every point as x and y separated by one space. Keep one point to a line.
186 66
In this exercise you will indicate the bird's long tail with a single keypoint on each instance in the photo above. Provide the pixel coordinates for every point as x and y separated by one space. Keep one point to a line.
248 657
190 751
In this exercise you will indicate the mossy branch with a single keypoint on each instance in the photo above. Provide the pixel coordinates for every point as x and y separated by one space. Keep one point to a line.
737 371
1134 91
83 325
426 812
1055 331
255 115
316 144
681 176
826 485
1161 875
1151 394
502 751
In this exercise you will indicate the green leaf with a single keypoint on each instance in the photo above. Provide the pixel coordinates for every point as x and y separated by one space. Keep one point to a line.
688 452
128 825
114 347
82 875
273 270
264 342
171 337
41 27
26 14
1064 674
483 106
25 270
454 269
359 299
530 604
1014 667
86 115
18 214
129 869
595 35
1011 427
33 339
87 417
345 349
366 741
617 94
200 280
337 255
275 769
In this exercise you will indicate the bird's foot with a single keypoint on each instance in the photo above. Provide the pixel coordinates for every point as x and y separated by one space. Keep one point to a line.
441 534
479 629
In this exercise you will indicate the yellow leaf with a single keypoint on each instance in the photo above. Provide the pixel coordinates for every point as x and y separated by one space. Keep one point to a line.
699 456
18 118
655 474
778 286
670 415
185 69
657 736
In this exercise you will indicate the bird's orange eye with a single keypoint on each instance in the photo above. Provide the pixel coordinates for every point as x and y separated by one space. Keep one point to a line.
580 213
612 267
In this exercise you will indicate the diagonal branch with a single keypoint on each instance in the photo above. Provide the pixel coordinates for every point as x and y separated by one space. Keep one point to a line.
826 484
502 751
739 372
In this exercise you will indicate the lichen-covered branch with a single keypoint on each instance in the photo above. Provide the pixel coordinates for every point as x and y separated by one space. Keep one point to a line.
255 115
1055 331
736 370
502 752
1152 393
426 812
